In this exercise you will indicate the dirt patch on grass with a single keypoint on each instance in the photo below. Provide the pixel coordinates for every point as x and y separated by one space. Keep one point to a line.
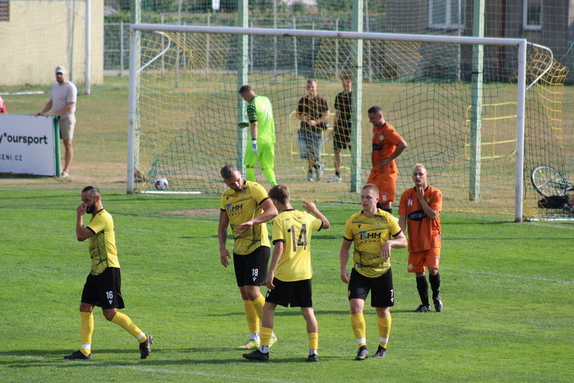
196 213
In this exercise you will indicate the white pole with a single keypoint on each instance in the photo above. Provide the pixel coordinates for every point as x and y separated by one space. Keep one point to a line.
295 49
132 117
122 48
88 22
466 40
520 118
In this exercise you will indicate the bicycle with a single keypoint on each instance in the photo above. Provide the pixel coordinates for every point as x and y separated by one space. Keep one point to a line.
549 182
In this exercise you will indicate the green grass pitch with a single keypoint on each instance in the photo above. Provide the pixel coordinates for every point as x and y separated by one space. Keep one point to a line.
507 290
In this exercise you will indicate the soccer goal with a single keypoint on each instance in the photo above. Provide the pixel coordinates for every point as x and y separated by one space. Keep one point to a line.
461 103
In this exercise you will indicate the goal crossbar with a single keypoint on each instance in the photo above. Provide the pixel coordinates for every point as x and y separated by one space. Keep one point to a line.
521 45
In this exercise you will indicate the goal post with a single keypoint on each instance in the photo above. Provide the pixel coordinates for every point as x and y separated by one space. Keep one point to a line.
188 117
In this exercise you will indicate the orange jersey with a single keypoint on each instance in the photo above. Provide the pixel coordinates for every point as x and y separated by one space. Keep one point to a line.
385 141
424 233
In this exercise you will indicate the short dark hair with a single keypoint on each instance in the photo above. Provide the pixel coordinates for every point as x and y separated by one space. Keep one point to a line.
346 77
245 89
228 170
94 191
372 187
375 110
280 193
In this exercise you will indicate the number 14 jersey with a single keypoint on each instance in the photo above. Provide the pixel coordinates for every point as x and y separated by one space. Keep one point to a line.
294 228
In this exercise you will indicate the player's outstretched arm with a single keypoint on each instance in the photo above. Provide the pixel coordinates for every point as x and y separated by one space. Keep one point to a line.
311 208
269 212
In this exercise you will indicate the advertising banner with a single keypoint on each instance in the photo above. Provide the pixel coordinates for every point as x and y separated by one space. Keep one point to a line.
29 145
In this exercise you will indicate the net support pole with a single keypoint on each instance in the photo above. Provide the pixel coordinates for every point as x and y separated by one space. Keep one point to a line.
520 118
132 96
476 109
132 117
356 135
88 71
242 79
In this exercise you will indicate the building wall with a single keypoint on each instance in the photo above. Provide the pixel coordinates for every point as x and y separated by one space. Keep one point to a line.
41 35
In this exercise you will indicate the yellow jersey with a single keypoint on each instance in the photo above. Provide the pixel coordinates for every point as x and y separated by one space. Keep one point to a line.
242 206
295 229
102 244
369 235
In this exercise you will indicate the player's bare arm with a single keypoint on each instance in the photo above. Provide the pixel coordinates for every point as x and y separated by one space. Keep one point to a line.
402 145
269 212
344 254
222 238
403 222
254 132
277 252
399 242
429 211
82 233
311 208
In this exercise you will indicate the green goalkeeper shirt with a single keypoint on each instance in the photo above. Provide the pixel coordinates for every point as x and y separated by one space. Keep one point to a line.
259 109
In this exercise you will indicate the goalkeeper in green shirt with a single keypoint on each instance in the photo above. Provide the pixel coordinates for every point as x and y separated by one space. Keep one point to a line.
261 143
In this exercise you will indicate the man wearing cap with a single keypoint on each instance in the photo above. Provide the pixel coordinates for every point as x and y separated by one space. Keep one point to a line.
63 105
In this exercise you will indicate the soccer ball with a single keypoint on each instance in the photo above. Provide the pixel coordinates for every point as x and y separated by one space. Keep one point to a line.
161 184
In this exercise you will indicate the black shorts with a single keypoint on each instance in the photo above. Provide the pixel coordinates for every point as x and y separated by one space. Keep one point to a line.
382 288
296 294
104 290
251 269
342 137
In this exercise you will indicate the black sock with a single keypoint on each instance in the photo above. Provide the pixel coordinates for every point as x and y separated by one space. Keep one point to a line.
423 288
435 285
337 174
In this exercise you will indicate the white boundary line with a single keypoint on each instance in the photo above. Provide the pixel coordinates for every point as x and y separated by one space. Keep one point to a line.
149 369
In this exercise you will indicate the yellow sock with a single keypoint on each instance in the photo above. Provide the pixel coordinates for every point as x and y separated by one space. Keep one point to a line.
359 328
384 330
258 305
126 323
86 331
313 340
251 316
266 336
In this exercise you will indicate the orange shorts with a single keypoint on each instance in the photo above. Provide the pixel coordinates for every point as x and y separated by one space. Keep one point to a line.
420 259
386 182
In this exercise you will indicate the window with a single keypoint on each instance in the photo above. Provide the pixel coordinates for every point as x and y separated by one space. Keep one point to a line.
446 14
532 15
4 10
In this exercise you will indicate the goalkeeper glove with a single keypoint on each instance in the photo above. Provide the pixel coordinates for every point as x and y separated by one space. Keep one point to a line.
254 146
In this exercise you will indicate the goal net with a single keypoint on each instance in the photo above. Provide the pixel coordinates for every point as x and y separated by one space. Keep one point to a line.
454 100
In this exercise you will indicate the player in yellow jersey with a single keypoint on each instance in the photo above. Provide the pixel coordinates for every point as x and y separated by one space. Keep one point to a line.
246 207
290 271
103 285
372 231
